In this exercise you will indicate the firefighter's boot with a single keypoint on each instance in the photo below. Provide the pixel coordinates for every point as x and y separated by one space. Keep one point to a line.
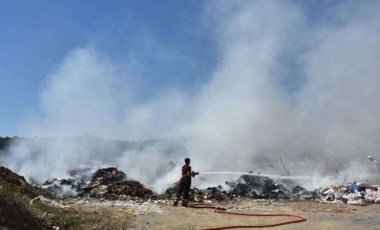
184 202
175 201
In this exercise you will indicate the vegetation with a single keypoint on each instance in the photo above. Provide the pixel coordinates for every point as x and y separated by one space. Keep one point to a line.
18 212
5 141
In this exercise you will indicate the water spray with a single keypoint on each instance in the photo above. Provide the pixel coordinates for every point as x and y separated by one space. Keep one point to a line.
257 174
373 160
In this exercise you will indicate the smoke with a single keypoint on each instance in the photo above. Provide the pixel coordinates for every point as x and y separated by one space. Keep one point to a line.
289 93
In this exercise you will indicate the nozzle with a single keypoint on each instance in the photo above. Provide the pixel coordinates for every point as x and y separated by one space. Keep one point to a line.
194 173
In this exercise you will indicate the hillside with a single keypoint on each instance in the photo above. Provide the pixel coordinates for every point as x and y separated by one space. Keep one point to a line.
23 206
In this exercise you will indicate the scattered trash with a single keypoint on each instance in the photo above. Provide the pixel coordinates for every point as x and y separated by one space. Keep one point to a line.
41 198
134 206
356 193
50 202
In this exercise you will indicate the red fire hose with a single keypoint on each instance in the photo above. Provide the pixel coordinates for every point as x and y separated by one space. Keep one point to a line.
223 211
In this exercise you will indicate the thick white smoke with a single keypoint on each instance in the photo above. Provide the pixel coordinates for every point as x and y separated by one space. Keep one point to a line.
249 116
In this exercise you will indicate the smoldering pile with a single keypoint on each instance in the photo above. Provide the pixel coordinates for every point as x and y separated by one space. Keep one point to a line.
113 184
251 187
263 187
105 184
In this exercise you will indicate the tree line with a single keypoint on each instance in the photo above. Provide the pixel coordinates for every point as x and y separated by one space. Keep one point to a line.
5 141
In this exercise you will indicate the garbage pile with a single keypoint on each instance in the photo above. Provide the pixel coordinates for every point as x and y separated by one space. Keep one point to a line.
107 175
356 193
252 187
263 187
105 184
110 184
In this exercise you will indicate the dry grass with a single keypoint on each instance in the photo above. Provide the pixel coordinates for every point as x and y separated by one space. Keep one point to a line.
16 212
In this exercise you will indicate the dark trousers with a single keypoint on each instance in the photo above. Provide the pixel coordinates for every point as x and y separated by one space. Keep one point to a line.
183 188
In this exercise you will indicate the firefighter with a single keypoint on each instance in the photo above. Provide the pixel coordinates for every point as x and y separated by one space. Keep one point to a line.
183 186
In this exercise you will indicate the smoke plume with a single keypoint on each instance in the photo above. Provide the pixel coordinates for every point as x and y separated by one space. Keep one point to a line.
287 94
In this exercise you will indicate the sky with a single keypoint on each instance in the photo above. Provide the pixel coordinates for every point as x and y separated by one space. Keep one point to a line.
166 43
246 83
36 36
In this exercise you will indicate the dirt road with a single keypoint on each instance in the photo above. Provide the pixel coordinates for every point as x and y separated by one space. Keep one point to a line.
165 216
319 216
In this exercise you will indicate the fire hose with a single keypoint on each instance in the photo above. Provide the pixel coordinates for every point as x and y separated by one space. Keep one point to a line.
218 209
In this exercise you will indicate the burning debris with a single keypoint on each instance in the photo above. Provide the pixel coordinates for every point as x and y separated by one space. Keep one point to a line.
63 187
106 176
263 187
249 186
105 183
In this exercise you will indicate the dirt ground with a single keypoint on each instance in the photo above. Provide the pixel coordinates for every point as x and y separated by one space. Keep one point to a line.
319 216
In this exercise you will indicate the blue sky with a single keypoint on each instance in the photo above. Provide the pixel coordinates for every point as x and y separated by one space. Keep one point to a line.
36 36
169 44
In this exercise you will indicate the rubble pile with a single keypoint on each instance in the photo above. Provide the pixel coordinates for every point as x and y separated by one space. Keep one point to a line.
263 187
